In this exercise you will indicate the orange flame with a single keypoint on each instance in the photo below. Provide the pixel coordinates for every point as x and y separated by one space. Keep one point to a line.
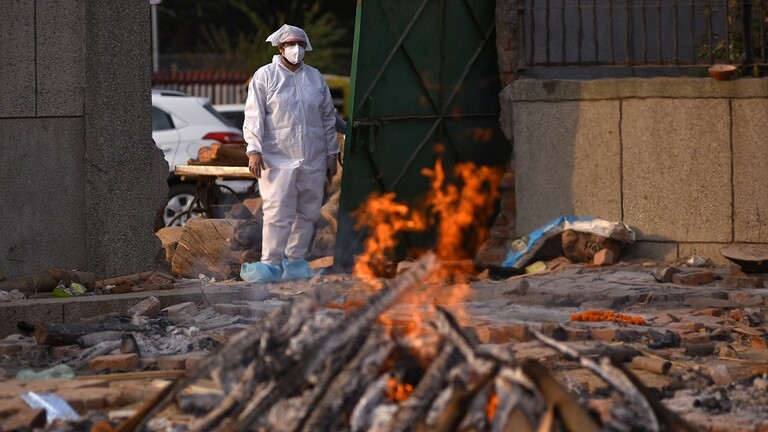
460 211
493 404
398 391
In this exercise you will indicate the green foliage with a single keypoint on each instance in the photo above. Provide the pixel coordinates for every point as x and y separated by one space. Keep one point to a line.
247 50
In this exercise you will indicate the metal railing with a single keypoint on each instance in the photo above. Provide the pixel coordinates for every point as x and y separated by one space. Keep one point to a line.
641 33
219 87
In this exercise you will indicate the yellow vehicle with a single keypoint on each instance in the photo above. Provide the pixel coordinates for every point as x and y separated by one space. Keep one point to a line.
339 85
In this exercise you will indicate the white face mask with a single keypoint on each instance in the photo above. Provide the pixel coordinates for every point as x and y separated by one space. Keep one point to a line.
294 53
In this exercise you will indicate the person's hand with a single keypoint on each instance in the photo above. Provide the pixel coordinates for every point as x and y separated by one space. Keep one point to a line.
332 167
256 164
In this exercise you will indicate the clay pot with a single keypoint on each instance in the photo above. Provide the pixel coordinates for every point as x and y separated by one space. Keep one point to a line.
722 72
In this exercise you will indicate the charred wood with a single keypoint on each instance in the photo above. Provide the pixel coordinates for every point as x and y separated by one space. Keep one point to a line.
351 383
573 416
56 334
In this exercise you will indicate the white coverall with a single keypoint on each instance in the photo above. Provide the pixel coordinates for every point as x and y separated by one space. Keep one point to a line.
289 119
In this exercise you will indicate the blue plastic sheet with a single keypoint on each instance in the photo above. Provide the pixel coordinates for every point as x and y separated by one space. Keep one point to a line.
523 250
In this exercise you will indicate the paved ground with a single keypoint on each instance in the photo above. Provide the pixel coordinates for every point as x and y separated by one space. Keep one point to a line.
717 365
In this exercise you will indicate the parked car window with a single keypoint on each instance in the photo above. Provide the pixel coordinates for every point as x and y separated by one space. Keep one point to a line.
161 120
208 107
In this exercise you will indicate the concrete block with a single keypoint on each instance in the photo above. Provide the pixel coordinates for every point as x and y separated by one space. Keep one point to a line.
677 180
17 43
60 54
32 311
706 250
750 170
120 235
43 165
656 251
567 161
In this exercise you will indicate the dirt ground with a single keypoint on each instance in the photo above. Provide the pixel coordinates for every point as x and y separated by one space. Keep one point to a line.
710 339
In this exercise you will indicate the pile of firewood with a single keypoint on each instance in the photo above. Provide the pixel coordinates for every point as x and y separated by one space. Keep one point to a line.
308 368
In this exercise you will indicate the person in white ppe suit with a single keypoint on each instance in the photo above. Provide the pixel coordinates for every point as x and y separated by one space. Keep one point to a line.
292 147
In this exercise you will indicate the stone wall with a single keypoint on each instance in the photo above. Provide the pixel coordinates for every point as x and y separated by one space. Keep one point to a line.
81 178
681 160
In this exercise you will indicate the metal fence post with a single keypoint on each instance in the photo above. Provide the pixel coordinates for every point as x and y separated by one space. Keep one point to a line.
746 16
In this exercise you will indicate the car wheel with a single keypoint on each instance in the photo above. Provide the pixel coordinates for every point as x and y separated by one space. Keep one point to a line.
179 207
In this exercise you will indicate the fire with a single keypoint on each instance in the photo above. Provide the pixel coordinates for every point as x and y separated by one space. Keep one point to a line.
493 404
398 391
460 208
384 219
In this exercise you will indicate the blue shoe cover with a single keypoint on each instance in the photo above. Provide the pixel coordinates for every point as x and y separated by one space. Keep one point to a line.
259 272
299 269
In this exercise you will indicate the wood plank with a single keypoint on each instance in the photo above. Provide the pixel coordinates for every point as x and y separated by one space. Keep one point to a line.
221 172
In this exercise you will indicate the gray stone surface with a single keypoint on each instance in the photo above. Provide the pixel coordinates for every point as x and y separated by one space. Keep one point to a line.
568 160
17 43
60 33
750 170
658 251
677 169
623 88
42 194
126 173
705 250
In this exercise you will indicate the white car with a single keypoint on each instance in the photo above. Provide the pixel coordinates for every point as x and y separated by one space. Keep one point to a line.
181 125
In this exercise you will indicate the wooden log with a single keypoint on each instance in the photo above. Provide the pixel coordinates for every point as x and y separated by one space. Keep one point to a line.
126 279
575 418
416 406
34 283
55 334
204 248
350 383
91 339
169 238
651 364
615 377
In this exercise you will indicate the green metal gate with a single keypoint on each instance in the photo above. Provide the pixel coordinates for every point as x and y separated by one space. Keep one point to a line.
424 73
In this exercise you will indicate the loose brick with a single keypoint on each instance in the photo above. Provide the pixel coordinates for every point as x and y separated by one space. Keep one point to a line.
8 407
9 348
685 326
149 307
694 338
520 332
227 309
605 257
665 274
160 278
553 330
114 362
693 278
665 318
576 334
609 334
26 419
171 362
745 299
181 309
63 351
742 282
194 359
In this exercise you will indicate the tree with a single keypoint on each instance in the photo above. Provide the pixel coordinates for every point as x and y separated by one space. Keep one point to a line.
231 33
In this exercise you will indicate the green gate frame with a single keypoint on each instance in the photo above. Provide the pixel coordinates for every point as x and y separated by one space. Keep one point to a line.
424 73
